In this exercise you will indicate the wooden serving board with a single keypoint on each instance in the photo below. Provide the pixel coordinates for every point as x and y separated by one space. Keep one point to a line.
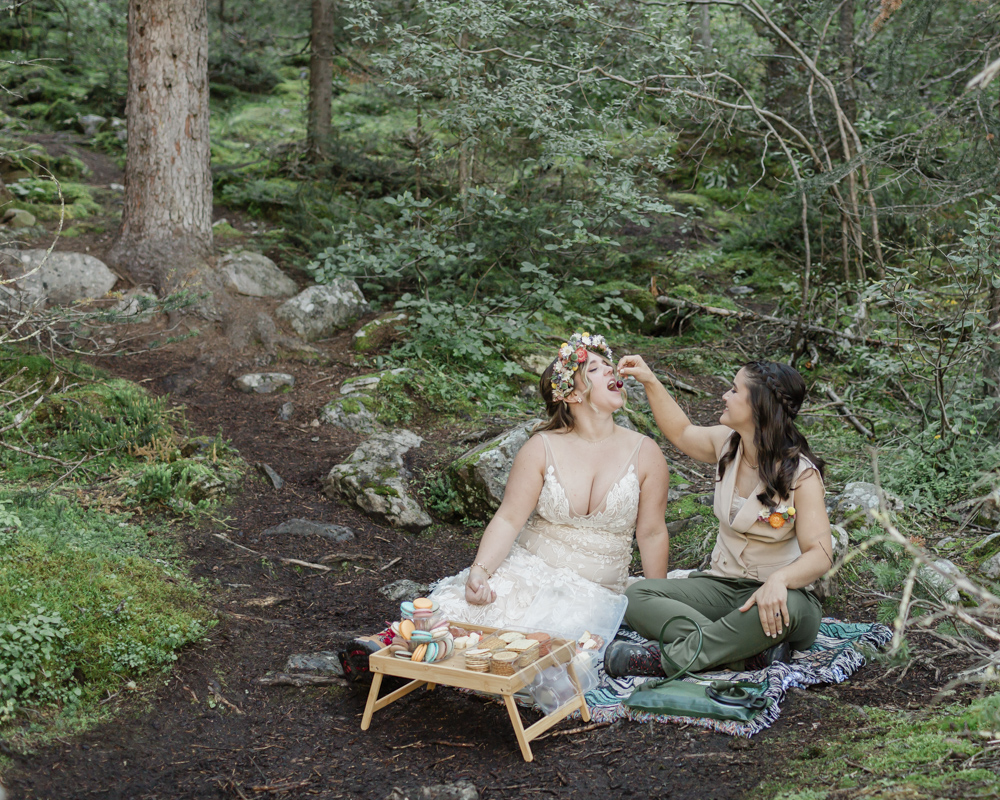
452 672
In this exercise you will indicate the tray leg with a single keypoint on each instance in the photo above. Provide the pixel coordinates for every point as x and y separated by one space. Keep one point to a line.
584 711
366 720
515 720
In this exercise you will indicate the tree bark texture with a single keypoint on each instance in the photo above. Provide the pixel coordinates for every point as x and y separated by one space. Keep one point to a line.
166 230
320 79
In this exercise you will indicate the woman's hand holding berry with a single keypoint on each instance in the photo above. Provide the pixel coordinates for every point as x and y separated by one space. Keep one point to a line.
635 367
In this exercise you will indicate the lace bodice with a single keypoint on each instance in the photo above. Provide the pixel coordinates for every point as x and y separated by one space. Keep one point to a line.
598 545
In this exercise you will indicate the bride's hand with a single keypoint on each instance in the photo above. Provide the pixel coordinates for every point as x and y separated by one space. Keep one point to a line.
477 589
635 367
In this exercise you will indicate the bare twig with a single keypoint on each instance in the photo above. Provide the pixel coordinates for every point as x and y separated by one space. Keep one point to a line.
676 302
308 564
846 412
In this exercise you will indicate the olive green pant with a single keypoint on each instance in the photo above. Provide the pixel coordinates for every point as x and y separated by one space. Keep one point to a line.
730 635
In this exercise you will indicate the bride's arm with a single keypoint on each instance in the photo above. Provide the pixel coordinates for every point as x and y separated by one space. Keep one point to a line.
519 499
650 526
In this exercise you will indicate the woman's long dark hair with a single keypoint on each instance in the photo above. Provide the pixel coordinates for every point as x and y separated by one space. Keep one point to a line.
776 395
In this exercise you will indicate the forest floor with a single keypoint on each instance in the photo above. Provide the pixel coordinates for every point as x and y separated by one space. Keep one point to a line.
209 729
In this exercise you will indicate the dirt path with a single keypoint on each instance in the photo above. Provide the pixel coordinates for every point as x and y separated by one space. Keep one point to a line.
181 741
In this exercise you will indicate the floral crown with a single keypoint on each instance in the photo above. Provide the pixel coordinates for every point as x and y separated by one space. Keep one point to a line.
571 355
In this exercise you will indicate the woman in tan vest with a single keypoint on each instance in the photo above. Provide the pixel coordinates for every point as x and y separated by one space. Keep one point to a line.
754 603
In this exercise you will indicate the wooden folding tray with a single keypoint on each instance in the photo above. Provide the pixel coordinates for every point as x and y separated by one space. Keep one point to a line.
452 672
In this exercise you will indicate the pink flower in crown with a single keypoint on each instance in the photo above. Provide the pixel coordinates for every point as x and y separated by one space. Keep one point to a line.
581 355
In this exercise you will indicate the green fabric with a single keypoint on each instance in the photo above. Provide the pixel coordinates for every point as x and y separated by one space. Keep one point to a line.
684 699
730 636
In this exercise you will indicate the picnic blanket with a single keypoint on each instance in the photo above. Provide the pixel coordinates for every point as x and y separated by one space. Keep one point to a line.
833 658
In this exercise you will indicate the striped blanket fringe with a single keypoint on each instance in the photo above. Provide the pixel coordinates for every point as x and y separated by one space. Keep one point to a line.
833 658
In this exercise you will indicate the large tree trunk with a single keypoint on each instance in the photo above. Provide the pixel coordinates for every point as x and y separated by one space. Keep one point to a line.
320 79
166 230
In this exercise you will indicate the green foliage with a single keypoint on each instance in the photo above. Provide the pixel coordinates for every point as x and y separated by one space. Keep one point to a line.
932 753
185 486
47 198
110 616
944 356
114 428
29 670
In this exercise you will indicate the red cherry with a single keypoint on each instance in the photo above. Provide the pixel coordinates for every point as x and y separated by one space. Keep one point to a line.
619 383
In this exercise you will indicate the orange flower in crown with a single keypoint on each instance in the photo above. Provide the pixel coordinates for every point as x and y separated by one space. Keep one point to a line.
571 355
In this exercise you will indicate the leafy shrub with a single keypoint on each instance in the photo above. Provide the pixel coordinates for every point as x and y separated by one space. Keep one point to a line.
32 670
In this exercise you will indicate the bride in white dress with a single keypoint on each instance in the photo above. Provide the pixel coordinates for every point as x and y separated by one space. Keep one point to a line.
556 554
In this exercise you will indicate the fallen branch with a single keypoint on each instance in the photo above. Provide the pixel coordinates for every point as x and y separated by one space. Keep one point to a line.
676 302
308 564
215 690
300 680
230 541
384 567
593 726
846 412
346 557
670 380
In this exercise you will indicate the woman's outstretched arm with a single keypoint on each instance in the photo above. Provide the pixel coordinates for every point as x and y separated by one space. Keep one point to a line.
519 499
650 526
701 443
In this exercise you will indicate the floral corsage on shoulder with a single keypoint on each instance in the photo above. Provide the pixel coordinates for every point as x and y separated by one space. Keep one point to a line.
778 517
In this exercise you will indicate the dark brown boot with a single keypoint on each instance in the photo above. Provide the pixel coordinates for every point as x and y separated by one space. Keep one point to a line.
622 659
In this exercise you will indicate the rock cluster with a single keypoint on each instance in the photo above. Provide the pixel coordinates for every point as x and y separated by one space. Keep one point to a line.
374 478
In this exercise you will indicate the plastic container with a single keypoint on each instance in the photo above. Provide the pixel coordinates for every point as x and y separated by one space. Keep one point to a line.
557 611
553 687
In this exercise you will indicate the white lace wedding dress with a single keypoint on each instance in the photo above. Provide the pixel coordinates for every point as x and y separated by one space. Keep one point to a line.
566 572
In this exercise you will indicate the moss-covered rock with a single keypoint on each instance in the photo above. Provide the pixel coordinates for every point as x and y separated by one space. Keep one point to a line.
478 478
378 333
353 412
374 479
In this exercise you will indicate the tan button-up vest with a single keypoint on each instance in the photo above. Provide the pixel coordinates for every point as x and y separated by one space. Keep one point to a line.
749 547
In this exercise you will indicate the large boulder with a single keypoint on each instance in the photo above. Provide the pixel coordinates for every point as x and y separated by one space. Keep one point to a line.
479 477
374 478
18 218
991 567
319 311
59 278
90 124
255 275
